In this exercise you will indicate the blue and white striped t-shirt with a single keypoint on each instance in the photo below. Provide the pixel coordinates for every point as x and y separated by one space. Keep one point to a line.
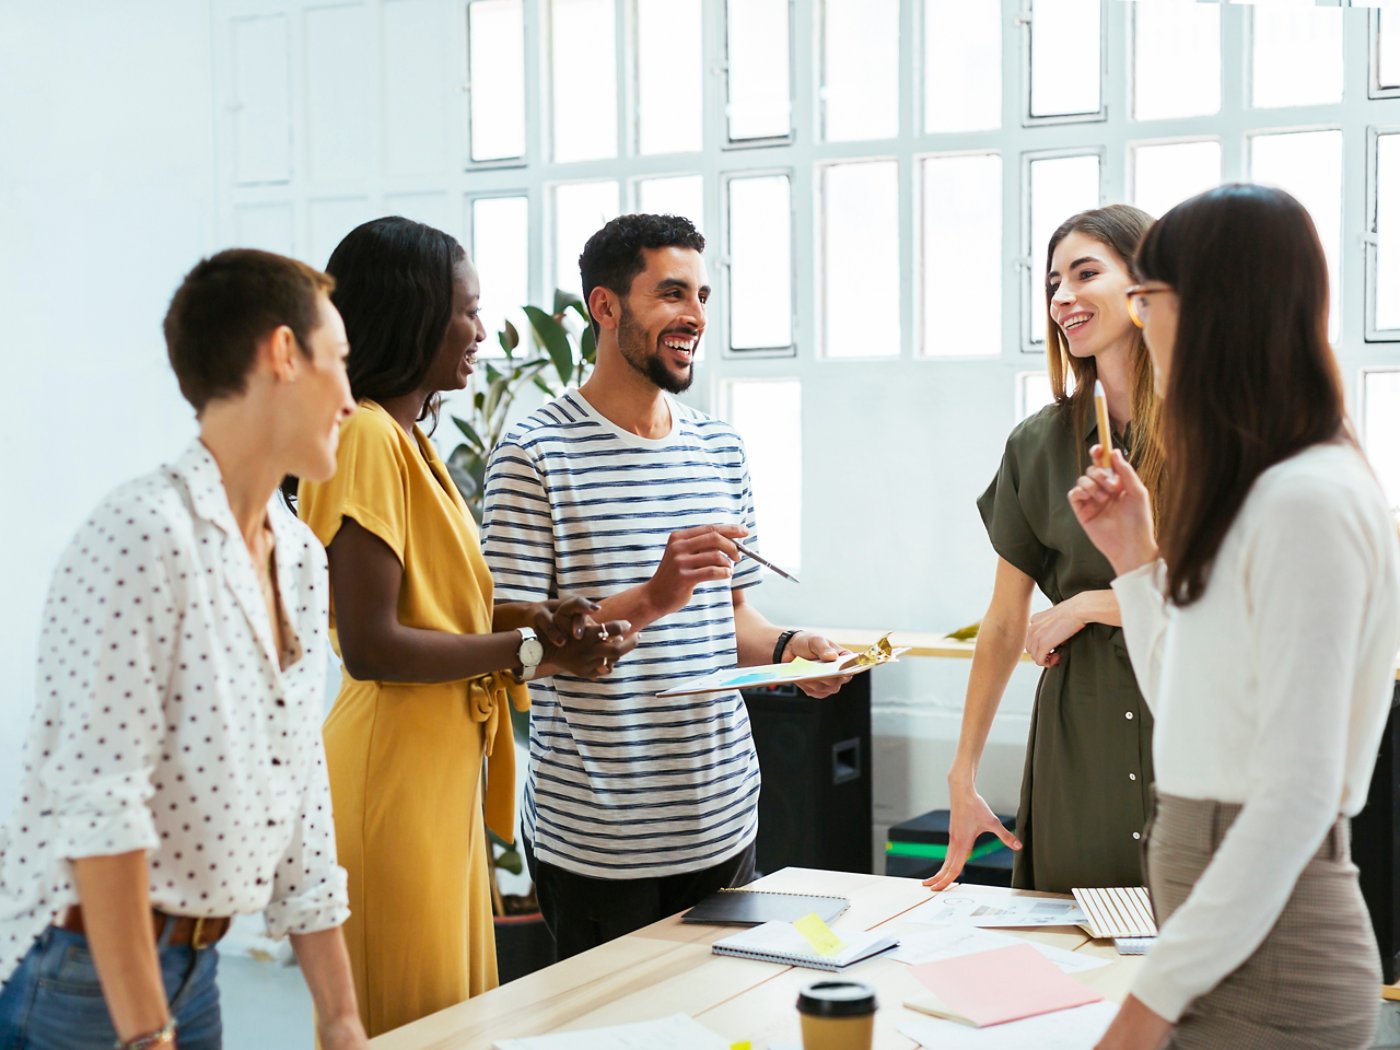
623 784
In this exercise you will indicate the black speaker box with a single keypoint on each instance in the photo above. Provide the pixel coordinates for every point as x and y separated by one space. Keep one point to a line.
815 808
1375 846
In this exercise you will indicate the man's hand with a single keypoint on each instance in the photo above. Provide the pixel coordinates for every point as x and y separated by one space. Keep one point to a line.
596 652
808 645
1136 1027
560 619
693 556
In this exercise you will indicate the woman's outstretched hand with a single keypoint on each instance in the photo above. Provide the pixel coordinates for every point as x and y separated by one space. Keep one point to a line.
969 817
1115 510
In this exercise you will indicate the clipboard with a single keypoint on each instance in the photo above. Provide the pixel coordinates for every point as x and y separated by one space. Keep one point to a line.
798 670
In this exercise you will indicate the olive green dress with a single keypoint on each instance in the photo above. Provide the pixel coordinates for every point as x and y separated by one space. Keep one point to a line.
1084 796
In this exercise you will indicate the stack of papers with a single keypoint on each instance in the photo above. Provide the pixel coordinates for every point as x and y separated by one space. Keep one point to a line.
998 986
1075 1029
920 944
955 908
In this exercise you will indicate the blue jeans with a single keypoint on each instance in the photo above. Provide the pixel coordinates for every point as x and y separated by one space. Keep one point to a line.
54 1001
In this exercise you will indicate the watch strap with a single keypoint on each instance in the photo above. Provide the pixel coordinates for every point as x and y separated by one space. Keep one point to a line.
781 647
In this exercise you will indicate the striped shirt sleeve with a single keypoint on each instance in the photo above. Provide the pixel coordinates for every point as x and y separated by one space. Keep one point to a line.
516 527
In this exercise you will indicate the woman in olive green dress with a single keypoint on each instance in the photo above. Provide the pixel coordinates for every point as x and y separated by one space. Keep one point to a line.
1084 795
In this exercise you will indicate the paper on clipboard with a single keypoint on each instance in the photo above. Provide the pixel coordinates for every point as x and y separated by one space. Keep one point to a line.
798 670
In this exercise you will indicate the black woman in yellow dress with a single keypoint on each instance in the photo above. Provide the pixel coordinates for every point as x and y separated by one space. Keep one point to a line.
430 661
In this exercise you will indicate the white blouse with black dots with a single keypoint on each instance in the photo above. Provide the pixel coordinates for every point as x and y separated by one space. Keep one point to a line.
166 722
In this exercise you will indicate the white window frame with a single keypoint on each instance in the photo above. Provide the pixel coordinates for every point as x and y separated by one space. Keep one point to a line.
1112 133
1370 236
1376 90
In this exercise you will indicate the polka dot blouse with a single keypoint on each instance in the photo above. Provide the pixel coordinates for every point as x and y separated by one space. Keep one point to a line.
167 721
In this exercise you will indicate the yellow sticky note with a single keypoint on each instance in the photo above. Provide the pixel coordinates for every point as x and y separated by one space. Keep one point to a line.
818 934
742 1045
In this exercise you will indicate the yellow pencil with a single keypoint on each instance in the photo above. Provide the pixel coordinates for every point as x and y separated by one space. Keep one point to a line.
1105 431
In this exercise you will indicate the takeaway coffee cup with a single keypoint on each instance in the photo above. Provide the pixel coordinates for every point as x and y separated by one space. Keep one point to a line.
837 1015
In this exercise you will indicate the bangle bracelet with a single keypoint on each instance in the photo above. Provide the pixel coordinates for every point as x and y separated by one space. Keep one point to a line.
164 1036
781 647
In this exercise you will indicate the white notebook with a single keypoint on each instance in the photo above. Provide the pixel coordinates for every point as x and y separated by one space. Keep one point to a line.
779 942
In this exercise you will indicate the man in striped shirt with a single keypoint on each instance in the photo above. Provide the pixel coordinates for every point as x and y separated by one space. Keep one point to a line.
636 806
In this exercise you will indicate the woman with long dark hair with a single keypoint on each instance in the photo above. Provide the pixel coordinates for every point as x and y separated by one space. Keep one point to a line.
1084 794
1263 630
430 661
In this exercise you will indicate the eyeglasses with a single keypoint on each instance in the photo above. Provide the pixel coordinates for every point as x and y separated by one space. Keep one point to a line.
1138 301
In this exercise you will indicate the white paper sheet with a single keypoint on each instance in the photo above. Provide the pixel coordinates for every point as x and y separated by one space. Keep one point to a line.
920 944
1077 1029
951 908
677 1032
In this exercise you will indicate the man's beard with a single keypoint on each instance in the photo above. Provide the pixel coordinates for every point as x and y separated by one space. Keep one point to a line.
632 341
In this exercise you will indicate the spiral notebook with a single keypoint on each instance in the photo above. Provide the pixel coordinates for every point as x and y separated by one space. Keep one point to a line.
751 907
779 942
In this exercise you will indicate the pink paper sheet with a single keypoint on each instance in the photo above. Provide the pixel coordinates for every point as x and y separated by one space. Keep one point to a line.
1005 984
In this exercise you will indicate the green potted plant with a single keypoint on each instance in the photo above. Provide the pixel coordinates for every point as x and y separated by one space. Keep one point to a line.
561 355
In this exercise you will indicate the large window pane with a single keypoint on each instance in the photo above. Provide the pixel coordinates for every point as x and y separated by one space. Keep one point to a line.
1388 50
1297 54
760 83
678 195
1308 164
1059 187
767 413
1066 41
860 259
669 78
860 69
580 210
961 254
584 66
1032 393
501 251
1165 174
496 75
760 262
962 65
1164 31
1385 285
1380 421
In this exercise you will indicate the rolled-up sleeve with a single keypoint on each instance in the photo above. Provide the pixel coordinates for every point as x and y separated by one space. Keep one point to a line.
107 644
308 888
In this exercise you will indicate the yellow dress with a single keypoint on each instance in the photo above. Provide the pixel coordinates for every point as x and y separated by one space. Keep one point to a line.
405 760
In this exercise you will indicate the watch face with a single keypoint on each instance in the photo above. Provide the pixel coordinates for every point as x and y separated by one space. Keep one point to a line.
531 652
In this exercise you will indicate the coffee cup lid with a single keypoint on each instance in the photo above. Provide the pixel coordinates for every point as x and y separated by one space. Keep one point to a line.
836 999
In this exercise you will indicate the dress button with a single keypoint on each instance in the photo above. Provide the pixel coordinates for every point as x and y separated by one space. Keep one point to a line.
1132 776
1128 715
1137 835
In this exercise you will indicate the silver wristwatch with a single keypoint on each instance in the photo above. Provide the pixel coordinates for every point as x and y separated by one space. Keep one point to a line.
530 654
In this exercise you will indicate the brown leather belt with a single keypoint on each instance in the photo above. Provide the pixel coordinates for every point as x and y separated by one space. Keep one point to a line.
198 933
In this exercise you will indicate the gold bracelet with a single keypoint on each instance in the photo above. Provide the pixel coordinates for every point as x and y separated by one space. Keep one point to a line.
164 1036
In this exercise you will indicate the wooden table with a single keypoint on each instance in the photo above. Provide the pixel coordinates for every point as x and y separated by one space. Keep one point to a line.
668 968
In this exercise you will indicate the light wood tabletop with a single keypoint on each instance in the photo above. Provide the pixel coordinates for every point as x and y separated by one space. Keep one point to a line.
668 968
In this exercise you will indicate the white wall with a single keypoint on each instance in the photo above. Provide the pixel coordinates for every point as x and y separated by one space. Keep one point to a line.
109 191
106 199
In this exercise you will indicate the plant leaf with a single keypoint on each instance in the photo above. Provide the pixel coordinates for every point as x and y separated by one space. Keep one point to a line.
555 340
565 300
469 432
509 338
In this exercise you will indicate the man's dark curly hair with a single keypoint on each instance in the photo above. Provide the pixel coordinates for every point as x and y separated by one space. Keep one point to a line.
613 256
